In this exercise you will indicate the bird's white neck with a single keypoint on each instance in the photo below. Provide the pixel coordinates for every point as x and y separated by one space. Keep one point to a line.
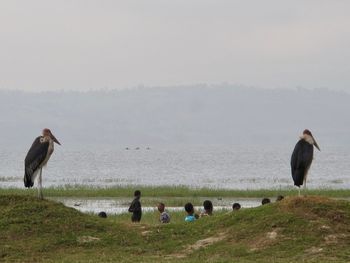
307 138
50 141
46 139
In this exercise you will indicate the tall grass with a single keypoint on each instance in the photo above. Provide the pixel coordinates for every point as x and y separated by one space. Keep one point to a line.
169 191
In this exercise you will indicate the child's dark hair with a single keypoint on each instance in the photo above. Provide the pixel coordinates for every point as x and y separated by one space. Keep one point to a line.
161 207
279 198
137 193
236 206
265 201
208 205
189 208
102 214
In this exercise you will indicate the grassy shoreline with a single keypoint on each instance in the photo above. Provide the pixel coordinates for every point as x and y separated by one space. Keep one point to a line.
297 229
170 191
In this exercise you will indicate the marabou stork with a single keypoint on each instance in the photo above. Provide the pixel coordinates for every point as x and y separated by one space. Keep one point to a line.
37 157
302 158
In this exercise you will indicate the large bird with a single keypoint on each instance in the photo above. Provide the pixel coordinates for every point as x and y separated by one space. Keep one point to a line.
302 158
37 157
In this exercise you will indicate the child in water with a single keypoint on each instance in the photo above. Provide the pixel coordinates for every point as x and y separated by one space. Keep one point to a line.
208 208
135 207
265 201
191 216
236 206
164 216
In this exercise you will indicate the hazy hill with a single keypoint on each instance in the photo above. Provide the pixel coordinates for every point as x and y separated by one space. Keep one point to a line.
188 115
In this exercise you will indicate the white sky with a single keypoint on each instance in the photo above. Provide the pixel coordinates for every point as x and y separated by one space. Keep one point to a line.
92 44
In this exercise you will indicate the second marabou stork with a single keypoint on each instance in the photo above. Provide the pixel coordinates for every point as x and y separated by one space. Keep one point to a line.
302 157
37 157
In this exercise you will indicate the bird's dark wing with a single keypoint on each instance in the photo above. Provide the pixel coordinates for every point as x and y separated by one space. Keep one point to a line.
301 161
35 156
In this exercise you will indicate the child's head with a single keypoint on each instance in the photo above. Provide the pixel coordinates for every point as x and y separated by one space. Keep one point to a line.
279 198
189 208
236 206
208 206
137 193
265 201
161 207
102 214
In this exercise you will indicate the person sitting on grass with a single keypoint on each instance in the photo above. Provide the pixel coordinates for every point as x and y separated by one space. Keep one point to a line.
191 216
208 208
135 207
265 201
236 206
164 216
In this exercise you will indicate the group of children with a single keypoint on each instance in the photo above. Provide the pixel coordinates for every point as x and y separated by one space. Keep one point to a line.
207 210
265 200
136 210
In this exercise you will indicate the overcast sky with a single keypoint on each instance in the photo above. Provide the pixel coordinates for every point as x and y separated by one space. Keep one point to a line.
86 44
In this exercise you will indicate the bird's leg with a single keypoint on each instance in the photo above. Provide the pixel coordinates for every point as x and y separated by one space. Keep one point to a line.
304 187
40 193
299 191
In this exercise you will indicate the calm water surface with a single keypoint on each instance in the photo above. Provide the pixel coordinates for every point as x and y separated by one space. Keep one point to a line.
121 205
205 166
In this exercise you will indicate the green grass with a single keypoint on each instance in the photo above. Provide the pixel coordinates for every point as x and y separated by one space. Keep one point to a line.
306 229
169 191
150 218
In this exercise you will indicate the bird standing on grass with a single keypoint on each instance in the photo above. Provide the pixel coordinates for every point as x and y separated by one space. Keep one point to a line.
302 158
37 157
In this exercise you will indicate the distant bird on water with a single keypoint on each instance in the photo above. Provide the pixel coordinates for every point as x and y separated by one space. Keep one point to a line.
37 157
302 158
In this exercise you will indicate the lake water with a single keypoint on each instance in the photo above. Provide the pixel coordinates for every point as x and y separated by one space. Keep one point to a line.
202 166
121 205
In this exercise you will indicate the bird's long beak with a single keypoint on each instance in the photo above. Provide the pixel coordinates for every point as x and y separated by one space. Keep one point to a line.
54 139
315 144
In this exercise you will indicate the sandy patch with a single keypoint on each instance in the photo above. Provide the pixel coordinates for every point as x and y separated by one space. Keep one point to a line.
87 239
145 233
202 243
314 250
334 238
206 242
265 240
